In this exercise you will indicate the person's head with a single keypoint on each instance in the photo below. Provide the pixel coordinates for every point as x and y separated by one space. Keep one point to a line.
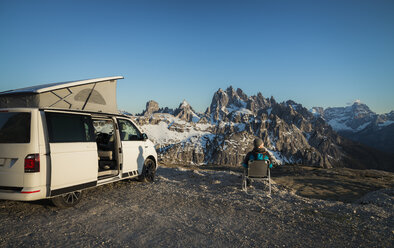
258 143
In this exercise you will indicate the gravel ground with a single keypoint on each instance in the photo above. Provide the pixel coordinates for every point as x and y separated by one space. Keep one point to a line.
199 208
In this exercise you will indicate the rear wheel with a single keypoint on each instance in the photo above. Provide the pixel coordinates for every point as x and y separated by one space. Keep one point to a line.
67 200
149 171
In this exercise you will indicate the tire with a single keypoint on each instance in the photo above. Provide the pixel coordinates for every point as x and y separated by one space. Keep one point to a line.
67 200
149 171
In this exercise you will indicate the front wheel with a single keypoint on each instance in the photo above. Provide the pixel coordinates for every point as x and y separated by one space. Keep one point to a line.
67 200
149 171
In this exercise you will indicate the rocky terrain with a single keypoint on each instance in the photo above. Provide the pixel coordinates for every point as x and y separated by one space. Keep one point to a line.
357 122
225 132
207 208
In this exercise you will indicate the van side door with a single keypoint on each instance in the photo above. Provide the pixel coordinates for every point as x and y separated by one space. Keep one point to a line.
132 146
73 152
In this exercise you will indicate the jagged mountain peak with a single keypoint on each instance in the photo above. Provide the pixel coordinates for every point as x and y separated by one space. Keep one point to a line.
242 95
184 104
230 89
151 107
357 109
236 95
230 103
226 102
231 93
185 112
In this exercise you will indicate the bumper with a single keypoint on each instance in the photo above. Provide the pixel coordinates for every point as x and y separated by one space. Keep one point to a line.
26 194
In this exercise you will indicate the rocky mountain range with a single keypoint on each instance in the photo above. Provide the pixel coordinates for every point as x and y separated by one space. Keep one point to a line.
225 133
183 112
357 122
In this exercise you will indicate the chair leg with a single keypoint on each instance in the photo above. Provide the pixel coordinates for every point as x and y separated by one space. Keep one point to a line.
269 182
244 186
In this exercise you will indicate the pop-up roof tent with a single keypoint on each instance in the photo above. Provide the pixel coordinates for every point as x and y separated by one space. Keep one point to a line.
96 95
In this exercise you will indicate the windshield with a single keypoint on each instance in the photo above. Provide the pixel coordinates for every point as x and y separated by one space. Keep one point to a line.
15 127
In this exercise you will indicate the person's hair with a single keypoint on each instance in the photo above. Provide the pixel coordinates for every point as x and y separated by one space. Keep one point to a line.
257 142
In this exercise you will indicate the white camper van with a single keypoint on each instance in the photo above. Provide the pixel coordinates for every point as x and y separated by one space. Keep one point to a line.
58 139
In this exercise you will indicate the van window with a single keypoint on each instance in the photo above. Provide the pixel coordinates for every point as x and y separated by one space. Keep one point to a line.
128 131
69 128
15 127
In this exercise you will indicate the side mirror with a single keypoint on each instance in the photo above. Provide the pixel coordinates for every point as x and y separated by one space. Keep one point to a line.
144 136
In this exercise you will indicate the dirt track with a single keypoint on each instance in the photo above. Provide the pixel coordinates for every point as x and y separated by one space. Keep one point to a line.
195 208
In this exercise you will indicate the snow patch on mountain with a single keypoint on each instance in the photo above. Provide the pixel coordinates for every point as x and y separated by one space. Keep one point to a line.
161 134
352 118
358 123
385 124
340 125
172 130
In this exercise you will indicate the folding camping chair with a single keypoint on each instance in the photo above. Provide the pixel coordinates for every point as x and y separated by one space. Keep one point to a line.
258 170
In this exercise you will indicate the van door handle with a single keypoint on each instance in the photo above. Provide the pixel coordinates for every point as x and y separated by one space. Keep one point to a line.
120 150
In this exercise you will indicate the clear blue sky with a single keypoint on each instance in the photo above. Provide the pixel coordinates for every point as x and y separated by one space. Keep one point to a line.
318 53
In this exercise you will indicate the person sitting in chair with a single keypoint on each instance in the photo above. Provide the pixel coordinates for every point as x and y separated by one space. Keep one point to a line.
258 153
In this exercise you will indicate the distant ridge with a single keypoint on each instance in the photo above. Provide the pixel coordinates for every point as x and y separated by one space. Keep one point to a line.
357 122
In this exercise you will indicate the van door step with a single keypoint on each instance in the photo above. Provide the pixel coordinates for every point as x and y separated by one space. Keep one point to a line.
107 179
108 174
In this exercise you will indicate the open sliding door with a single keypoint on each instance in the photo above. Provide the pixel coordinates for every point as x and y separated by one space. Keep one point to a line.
73 152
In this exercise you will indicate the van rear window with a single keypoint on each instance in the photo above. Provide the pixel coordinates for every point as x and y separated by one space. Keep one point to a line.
69 127
15 127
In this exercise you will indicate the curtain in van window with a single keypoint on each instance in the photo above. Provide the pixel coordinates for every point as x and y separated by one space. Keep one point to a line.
15 127
69 128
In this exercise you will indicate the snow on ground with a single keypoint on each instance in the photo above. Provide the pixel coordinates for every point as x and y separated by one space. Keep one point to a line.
162 134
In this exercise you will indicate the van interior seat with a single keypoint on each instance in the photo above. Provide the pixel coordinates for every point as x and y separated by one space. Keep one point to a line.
107 155
105 145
